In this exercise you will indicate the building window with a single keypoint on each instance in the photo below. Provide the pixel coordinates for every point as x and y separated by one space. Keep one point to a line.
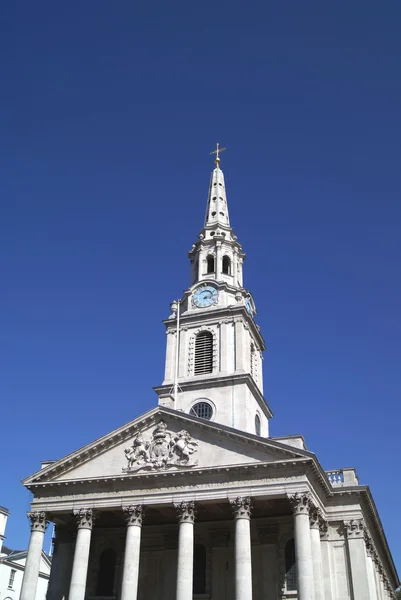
257 424
210 264
199 580
226 265
107 567
203 410
290 567
203 353
11 579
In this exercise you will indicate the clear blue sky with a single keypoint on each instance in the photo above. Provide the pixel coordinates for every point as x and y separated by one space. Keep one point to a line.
108 113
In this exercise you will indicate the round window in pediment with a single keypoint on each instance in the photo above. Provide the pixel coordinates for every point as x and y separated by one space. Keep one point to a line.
203 410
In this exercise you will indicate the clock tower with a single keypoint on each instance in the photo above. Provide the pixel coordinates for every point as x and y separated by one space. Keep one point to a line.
213 364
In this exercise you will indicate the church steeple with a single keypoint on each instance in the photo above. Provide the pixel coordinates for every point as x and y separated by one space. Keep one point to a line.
217 209
214 347
217 255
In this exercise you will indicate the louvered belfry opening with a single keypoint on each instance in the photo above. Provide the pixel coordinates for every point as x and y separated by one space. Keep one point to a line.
204 353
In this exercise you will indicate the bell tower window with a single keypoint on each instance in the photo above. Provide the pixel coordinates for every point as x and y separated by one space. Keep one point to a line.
203 353
210 264
226 265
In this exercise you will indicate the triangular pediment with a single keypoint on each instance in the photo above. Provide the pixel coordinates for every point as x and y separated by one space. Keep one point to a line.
164 440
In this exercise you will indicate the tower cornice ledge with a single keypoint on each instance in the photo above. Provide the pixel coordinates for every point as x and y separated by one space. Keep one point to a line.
218 380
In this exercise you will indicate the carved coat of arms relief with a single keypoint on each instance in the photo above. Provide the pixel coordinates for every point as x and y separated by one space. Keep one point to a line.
165 450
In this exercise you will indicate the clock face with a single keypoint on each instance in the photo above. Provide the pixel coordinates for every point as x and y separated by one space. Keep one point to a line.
205 296
248 306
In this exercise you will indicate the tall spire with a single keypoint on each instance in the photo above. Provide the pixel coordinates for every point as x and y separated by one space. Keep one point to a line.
217 209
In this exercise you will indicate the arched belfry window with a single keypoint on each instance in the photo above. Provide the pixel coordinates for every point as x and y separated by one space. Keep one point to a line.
290 566
210 264
226 265
203 353
199 580
107 568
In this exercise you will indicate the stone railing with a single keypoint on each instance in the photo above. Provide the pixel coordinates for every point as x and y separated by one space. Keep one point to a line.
343 477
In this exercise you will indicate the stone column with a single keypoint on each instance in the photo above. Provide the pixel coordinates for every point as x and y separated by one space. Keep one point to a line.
303 548
268 541
314 522
324 545
357 556
133 516
243 559
85 519
185 562
218 266
32 565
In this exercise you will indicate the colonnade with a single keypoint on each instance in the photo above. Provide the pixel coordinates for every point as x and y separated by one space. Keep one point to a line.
308 552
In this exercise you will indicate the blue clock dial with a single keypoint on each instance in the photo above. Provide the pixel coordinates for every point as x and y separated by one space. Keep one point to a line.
205 296
248 306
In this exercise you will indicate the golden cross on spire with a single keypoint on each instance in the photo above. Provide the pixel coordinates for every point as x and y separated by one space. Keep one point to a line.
217 152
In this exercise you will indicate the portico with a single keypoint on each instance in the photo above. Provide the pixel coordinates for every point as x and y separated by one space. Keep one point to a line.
251 530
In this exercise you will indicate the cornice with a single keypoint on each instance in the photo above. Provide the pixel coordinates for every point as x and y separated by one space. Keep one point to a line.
219 380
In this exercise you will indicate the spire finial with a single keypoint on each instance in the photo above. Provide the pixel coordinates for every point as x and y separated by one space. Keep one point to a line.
217 152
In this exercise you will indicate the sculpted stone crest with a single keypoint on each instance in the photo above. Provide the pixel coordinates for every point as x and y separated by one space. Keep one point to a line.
163 451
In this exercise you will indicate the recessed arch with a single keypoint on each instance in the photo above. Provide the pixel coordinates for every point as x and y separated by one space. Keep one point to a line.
210 263
226 265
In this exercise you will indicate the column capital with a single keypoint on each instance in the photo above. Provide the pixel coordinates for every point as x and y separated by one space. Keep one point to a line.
186 511
324 529
242 507
368 543
314 517
300 503
133 515
85 518
355 529
38 520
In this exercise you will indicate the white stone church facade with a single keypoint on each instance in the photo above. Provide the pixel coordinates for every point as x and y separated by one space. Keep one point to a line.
193 499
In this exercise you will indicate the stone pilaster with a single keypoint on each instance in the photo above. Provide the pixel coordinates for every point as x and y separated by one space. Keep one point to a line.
243 560
301 504
85 519
133 516
355 530
370 566
32 567
324 545
186 519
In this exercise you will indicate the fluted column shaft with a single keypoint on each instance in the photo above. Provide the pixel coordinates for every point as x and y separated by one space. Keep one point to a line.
32 566
85 519
243 558
314 522
185 562
303 547
129 588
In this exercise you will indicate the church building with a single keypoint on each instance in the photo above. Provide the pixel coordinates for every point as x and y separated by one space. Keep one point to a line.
194 499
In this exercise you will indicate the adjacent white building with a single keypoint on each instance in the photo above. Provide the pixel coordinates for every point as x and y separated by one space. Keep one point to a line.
12 567
193 499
